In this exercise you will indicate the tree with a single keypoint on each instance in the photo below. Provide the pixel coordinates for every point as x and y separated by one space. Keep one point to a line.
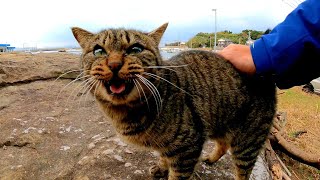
203 39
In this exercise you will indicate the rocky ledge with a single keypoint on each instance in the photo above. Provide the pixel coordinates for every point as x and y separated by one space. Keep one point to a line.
53 131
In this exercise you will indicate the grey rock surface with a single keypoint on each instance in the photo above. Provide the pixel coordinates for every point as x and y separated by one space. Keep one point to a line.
50 131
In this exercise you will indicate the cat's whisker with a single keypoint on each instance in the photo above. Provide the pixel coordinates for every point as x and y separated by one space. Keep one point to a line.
78 86
154 92
95 90
151 90
154 96
95 85
85 89
73 81
155 76
68 73
73 90
144 94
83 71
88 92
135 84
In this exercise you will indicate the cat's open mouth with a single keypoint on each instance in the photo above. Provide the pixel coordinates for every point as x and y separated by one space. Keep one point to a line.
119 87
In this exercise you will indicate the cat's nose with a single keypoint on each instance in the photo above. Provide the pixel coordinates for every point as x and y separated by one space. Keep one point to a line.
115 66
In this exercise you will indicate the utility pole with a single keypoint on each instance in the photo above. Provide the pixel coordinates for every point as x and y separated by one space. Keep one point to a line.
215 30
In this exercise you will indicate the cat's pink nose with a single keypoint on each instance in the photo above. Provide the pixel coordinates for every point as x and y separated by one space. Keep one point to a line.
115 65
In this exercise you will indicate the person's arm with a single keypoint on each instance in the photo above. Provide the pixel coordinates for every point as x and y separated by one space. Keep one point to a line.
276 52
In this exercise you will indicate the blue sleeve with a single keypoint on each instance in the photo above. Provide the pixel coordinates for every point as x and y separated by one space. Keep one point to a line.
278 51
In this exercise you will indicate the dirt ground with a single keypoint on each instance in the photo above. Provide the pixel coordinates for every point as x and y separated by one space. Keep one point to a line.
45 135
50 131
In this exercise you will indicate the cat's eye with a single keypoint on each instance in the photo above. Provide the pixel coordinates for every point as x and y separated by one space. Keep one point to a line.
135 49
99 51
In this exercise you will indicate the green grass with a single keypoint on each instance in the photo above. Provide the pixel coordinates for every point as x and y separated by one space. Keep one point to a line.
303 114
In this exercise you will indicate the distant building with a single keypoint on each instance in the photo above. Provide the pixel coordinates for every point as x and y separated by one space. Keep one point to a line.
224 42
177 44
183 45
175 47
6 48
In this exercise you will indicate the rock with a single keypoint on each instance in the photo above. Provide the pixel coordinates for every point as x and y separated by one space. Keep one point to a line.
62 50
84 160
6 101
138 172
108 152
64 148
127 165
119 158
17 68
308 88
91 145
46 136
128 151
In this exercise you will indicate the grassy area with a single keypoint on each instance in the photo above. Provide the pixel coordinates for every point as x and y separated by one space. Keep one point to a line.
303 114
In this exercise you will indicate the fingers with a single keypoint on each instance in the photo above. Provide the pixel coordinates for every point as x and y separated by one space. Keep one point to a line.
240 56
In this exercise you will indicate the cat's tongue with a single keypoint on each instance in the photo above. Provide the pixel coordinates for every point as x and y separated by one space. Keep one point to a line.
117 89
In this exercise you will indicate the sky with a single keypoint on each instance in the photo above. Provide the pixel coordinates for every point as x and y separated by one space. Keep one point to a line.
47 23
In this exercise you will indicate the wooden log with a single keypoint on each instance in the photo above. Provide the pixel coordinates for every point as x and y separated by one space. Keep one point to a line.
273 163
296 153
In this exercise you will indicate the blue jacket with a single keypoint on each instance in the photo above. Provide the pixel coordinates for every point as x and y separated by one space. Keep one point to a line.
291 52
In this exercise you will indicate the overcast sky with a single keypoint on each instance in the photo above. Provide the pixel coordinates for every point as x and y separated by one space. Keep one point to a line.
47 23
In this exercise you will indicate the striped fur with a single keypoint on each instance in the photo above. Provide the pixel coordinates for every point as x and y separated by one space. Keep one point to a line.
174 106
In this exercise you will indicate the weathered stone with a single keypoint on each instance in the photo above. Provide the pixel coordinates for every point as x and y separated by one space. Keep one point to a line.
21 67
46 136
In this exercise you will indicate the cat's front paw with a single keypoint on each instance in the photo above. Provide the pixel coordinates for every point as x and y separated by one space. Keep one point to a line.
158 172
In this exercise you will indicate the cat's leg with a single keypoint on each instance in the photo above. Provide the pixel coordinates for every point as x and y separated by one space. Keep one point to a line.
181 165
220 149
161 169
245 151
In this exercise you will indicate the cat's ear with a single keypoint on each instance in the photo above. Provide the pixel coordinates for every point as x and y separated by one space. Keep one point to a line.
82 36
157 33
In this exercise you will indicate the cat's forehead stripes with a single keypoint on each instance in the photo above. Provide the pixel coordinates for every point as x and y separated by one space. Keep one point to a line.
124 35
119 38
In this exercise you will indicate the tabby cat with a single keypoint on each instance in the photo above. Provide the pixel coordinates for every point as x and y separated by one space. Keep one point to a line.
174 106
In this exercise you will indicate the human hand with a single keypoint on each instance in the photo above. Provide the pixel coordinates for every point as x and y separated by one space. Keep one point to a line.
240 56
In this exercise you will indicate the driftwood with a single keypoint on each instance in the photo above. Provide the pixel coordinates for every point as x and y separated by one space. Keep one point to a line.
273 163
277 168
296 153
